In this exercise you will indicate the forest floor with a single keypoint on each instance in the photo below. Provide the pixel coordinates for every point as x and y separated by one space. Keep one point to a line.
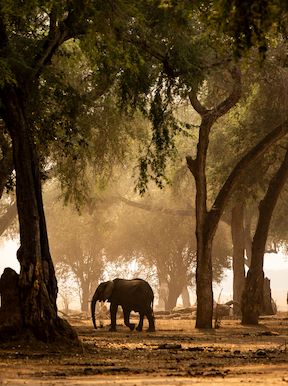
176 354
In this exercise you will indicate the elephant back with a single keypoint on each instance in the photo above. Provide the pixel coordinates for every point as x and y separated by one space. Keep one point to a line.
136 292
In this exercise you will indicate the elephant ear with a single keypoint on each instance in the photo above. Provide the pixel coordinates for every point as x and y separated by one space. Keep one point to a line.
108 290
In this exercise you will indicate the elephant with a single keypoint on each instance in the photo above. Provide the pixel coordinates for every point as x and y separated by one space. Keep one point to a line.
133 295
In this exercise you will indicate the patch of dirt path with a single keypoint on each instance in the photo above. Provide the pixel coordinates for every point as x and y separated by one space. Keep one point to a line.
177 354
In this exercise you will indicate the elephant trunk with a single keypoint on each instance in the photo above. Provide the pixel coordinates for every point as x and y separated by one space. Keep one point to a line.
93 306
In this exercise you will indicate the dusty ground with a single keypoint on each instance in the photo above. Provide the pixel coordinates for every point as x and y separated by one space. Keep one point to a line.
177 354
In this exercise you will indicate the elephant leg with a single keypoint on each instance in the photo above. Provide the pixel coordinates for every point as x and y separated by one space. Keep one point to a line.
126 313
150 317
140 325
113 312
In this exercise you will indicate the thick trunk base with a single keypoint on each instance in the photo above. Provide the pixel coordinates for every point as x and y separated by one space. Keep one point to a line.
204 315
185 297
10 312
268 307
252 298
12 326
238 261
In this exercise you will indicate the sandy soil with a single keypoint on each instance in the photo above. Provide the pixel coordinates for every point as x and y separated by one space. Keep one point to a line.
177 354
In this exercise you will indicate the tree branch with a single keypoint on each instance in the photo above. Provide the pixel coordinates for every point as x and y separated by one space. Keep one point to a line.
224 106
254 153
144 206
234 96
267 206
152 208
197 106
53 22
48 49
73 25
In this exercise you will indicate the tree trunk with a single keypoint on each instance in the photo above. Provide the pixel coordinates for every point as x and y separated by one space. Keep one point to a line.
207 221
163 295
85 296
174 292
37 281
163 289
268 305
204 233
185 297
238 261
10 311
6 163
172 300
248 238
252 299
204 285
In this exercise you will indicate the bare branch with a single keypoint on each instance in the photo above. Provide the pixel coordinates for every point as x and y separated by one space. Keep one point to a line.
74 24
152 208
48 49
224 106
188 212
197 106
233 98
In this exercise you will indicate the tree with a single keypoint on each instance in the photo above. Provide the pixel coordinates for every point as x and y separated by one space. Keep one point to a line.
252 298
262 106
29 41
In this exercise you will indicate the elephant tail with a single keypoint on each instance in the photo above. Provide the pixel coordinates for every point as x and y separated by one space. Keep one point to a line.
93 306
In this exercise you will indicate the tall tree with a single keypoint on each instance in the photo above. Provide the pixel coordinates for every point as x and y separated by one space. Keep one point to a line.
255 110
253 293
31 34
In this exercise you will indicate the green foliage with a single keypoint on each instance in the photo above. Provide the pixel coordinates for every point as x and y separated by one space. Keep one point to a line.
127 59
80 130
250 22
156 55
